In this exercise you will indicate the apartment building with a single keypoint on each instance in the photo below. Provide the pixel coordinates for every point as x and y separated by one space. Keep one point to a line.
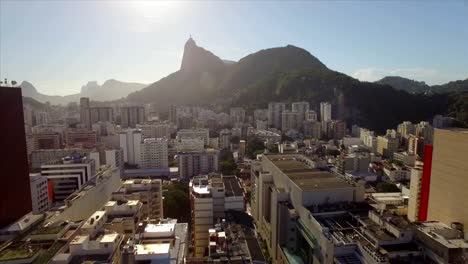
68 175
154 153
147 191
210 196
197 163
285 194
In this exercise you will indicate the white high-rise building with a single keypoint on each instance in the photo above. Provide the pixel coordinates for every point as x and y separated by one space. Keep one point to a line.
195 133
325 111
114 158
154 153
190 144
39 193
68 175
161 130
274 114
130 142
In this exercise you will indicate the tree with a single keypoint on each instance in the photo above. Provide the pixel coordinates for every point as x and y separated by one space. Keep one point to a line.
332 152
235 140
177 202
254 145
387 187
227 164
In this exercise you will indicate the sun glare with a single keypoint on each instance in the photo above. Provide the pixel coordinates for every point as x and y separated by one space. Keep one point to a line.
156 9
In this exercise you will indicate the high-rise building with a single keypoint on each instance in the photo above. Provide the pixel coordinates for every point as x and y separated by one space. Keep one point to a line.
195 133
274 114
101 114
440 121
312 129
68 175
42 118
159 130
80 138
42 156
224 139
154 153
449 177
15 195
47 140
310 115
415 192
197 163
173 114
387 145
211 196
85 115
325 111
286 192
406 128
130 142
39 193
237 115
261 114
114 158
336 129
190 144
184 122
290 120
130 116
301 108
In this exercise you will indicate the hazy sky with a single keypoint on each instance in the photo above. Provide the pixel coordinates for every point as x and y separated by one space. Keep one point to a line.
60 45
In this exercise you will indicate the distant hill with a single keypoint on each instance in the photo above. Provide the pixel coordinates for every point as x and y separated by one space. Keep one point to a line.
413 86
109 90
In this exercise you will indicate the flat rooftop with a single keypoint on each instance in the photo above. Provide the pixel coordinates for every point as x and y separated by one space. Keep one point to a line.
303 176
152 249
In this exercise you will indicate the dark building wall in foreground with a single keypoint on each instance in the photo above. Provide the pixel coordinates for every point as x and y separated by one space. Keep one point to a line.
15 194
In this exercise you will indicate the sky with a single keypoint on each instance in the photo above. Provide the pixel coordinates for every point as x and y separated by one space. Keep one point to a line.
59 46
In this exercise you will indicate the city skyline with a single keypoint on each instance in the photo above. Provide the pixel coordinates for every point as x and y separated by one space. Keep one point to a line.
143 41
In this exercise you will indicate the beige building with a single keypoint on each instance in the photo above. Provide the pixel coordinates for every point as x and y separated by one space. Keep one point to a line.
449 178
286 192
415 192
211 196
387 145
148 192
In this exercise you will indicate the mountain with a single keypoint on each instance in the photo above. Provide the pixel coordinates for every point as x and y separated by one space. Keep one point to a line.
289 74
405 84
204 78
195 83
263 63
109 90
413 86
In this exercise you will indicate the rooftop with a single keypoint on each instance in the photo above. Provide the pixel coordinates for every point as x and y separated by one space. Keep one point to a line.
146 249
306 178
445 235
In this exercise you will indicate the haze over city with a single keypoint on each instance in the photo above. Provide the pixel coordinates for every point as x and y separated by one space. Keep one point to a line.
59 46
249 132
